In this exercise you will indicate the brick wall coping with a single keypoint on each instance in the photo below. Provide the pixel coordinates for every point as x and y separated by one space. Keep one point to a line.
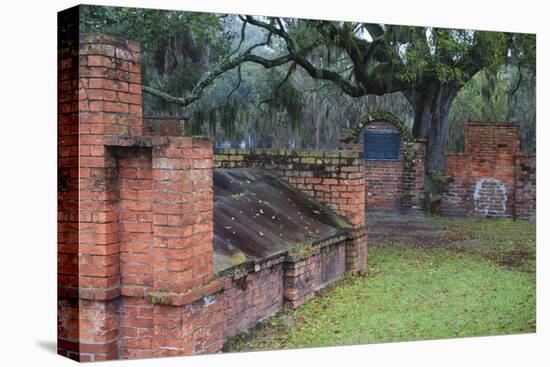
295 254
241 270
291 152
496 124
163 117
192 295
149 141
99 38
466 155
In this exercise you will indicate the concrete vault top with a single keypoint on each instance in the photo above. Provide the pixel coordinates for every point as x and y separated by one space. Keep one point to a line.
258 217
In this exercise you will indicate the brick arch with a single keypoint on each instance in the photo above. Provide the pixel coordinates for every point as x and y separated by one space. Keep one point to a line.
391 184
394 120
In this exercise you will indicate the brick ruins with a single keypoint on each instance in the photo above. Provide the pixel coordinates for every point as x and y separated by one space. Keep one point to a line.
491 178
136 247
146 263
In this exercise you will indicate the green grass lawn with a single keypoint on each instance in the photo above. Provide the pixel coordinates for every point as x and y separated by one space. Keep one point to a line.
479 281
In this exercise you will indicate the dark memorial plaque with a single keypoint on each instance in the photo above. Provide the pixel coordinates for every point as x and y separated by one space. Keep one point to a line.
382 145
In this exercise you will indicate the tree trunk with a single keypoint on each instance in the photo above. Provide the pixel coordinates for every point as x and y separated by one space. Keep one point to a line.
431 107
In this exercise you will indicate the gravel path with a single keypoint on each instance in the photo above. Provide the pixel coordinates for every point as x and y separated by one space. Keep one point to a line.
386 228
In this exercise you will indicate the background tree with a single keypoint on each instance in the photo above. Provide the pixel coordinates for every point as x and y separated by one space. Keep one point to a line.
276 81
495 97
177 47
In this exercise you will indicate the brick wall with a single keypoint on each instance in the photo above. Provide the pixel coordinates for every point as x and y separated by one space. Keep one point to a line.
483 181
135 222
384 184
332 177
87 329
335 178
526 187
306 273
164 328
162 325
393 185
163 125
454 201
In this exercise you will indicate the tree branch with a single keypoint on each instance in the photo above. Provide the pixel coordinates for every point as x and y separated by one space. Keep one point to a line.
325 74
239 78
291 70
243 29
198 90
314 90
247 56
369 83
360 52
513 92
270 27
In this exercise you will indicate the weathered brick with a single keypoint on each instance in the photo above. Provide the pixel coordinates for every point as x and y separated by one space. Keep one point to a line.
487 180
145 210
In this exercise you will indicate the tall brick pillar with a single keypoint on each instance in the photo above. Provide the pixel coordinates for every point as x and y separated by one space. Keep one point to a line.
109 105
99 95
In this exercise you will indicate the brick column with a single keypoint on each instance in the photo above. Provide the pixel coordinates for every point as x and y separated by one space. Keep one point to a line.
109 104
526 187
413 176
182 214
103 75
183 210
419 178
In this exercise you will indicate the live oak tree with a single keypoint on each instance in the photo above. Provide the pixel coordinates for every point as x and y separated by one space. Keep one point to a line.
428 65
